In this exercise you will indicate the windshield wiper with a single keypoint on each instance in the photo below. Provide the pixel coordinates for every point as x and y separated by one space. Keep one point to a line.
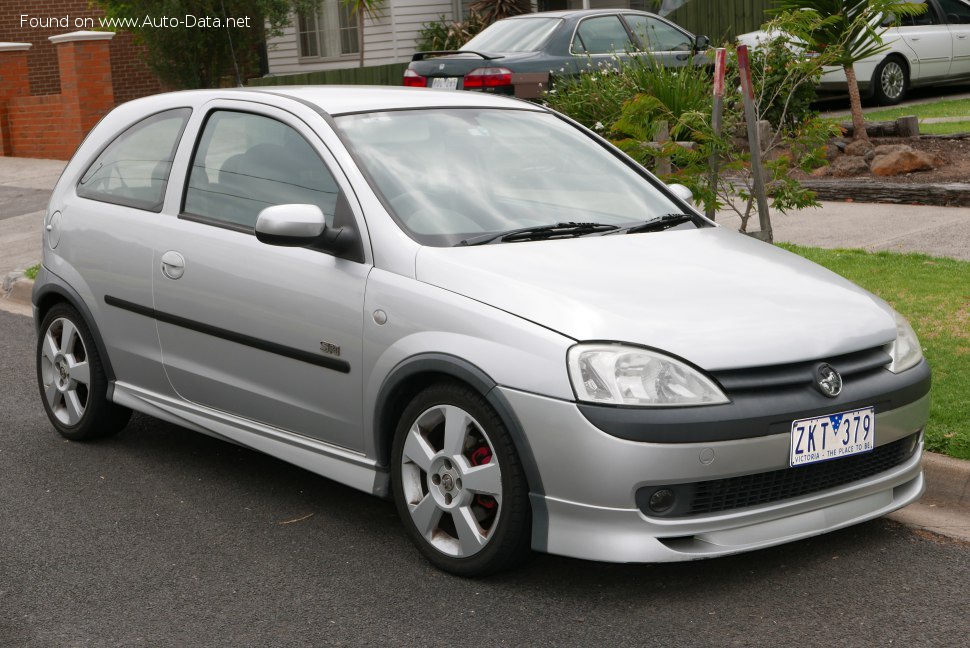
541 233
656 224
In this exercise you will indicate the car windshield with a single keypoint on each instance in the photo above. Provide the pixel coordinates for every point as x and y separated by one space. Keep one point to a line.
521 35
449 175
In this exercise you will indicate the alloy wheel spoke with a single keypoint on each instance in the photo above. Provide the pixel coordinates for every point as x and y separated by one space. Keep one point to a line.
73 406
418 450
456 429
426 515
52 395
469 536
68 336
485 479
49 350
80 373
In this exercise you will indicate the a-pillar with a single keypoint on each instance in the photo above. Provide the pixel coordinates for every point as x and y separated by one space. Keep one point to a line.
13 83
87 93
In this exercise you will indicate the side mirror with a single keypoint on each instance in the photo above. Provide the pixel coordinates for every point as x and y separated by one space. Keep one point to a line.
682 192
290 225
702 43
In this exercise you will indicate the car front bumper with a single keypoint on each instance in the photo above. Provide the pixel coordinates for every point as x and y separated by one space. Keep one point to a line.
589 479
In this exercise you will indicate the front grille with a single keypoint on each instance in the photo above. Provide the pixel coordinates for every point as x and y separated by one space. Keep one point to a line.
751 490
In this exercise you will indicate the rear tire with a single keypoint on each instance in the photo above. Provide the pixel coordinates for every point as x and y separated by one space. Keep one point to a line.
458 484
890 81
70 374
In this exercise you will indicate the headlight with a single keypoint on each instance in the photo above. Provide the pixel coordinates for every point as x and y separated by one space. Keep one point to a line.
905 350
622 375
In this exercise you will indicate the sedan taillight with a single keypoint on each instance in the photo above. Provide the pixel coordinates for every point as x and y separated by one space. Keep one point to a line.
488 77
414 80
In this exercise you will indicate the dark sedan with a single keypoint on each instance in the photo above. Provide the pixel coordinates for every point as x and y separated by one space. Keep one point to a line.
514 56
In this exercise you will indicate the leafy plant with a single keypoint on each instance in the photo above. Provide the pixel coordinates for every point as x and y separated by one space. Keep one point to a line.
491 10
448 35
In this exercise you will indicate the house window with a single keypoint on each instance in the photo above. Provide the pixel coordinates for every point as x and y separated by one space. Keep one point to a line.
329 33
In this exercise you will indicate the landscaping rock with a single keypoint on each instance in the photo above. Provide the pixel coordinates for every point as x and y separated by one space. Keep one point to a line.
886 149
900 162
859 148
848 165
822 171
832 151
840 144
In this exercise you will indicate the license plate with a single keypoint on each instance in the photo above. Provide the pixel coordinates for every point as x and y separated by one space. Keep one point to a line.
833 436
445 83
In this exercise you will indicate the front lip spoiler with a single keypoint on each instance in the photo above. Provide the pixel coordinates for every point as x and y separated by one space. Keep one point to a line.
758 413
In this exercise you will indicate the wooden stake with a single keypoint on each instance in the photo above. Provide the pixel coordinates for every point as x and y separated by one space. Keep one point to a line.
757 170
720 63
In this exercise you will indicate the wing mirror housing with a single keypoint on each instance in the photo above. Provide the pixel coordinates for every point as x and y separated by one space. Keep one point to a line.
682 192
702 43
300 225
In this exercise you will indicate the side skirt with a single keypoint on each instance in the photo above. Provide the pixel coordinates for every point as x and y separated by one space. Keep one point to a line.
333 462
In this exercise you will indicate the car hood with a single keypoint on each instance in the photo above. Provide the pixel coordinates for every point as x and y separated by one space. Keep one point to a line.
713 296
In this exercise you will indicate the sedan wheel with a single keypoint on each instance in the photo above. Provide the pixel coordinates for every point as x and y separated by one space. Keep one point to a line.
458 483
891 81
71 379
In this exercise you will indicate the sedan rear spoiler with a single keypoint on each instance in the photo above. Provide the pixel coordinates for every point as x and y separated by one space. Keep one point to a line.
420 56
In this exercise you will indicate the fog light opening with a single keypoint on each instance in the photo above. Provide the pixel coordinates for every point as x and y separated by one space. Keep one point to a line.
661 500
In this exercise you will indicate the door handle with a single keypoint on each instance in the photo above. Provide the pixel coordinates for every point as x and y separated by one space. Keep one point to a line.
173 264
961 36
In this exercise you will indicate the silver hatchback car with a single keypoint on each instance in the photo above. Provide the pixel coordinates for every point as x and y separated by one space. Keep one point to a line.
475 307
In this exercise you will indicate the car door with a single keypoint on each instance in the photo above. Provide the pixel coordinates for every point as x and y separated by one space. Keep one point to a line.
957 16
931 42
267 333
600 40
661 40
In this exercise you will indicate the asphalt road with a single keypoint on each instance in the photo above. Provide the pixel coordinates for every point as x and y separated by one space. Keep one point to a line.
164 537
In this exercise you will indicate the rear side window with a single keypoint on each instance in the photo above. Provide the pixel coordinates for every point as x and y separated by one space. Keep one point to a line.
657 36
245 163
133 170
601 35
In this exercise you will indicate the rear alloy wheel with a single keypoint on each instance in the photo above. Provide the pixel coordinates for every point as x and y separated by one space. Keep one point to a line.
891 81
458 483
71 378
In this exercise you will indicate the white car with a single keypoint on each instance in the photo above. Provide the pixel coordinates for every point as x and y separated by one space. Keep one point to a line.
932 48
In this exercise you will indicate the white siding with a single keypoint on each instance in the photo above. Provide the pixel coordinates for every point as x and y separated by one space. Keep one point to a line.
390 39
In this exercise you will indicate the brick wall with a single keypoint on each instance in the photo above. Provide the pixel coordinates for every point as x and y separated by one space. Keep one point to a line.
132 78
53 125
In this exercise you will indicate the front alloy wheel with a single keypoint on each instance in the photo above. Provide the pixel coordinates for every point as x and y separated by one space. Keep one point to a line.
458 483
891 81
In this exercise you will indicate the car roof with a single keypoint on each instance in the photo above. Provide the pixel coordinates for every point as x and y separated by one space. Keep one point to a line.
337 100
576 13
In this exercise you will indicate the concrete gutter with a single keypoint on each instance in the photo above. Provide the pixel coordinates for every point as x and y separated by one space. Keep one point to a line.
944 509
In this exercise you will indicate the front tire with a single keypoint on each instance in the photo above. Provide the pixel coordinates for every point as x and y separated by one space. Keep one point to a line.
458 483
890 81
70 374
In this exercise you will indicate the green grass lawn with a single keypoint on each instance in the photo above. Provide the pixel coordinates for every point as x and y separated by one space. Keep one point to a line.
934 295
946 128
948 108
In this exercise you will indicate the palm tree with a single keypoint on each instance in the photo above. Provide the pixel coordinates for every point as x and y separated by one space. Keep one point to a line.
854 28
362 9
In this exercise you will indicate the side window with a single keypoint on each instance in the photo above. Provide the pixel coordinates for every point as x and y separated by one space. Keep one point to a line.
601 35
245 163
657 36
926 18
956 12
133 170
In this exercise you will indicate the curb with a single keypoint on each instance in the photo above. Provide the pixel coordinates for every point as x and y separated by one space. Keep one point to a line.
16 292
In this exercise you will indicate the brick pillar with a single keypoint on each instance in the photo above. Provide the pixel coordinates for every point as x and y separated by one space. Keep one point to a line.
84 62
13 83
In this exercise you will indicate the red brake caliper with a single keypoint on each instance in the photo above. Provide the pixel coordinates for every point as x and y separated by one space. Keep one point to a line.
481 456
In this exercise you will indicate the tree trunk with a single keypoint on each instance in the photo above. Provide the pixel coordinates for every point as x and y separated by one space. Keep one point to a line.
360 31
855 101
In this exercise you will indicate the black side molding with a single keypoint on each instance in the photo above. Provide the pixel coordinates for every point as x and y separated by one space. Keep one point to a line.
239 338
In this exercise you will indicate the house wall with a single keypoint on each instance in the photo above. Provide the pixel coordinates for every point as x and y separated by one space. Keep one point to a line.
388 39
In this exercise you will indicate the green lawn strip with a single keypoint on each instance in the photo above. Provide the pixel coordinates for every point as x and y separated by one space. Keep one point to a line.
31 272
934 295
949 108
946 128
